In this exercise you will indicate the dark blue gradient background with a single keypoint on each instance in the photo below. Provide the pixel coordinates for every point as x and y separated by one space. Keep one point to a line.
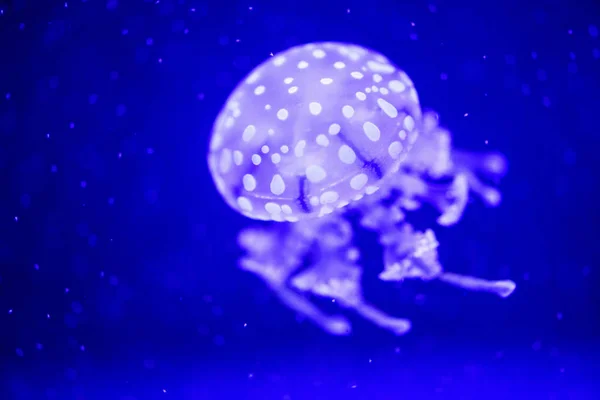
118 275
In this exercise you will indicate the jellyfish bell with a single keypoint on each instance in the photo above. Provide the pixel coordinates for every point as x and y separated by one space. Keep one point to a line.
325 128
311 130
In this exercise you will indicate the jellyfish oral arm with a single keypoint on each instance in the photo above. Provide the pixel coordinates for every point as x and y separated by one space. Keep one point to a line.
333 324
503 288
276 276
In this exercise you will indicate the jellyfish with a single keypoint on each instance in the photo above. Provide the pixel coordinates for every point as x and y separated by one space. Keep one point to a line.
325 138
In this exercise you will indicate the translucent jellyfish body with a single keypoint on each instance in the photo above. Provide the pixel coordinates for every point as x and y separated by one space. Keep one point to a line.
326 130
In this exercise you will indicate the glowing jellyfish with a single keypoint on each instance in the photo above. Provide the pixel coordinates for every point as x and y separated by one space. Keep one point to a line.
325 131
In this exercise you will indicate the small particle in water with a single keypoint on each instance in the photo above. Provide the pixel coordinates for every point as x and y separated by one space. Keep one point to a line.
160 60
219 340
67 290
72 125
245 325
149 42
164 390
200 96
53 168
39 346
83 184
47 316
444 76
559 316
121 110
149 151
7 96
21 26
19 352
486 141
546 101
466 114
570 31
10 311
111 201
124 32
82 348
16 218
36 267
119 155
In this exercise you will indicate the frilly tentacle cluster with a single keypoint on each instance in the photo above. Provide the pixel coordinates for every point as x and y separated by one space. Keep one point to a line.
317 256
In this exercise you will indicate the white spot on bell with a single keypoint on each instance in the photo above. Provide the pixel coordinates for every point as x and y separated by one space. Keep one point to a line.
395 149
396 86
277 185
248 133
249 182
348 111
282 114
322 140
409 122
315 173
359 181
315 108
299 149
244 203
387 108
238 157
334 129
272 208
278 61
346 154
318 53
380 67
372 131
329 197
225 161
